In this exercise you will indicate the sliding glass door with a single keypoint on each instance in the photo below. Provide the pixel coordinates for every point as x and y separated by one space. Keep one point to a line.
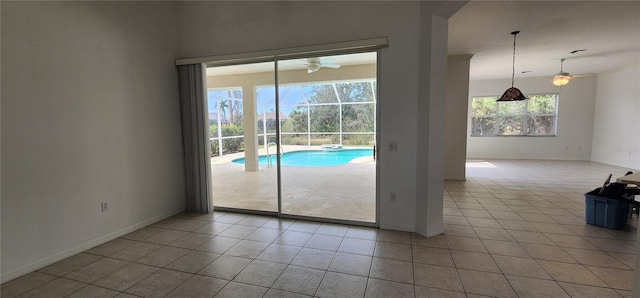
305 148
327 166
241 101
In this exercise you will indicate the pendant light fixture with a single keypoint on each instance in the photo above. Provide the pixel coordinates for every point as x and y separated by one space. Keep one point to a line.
513 93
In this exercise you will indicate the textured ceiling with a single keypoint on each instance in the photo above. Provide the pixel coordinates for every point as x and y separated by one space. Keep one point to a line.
609 30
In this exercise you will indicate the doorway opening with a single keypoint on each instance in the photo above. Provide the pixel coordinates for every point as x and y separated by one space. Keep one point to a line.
296 137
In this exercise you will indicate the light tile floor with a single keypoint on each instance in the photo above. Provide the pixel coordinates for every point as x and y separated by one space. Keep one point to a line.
513 229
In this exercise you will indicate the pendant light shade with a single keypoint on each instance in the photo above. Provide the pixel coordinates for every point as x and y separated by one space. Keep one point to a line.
513 93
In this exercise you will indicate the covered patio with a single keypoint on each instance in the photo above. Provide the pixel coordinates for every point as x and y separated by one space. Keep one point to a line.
346 192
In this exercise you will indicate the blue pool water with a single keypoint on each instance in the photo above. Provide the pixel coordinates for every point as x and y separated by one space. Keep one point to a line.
314 158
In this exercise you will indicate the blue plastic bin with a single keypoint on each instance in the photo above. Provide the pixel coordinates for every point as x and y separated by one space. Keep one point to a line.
605 212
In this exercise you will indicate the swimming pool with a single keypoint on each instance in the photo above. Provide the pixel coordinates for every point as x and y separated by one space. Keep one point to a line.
314 158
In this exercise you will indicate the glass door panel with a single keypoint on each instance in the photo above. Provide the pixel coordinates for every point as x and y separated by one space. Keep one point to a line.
241 101
327 111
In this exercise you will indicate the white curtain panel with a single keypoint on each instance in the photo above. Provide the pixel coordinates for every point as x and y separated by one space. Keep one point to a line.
195 137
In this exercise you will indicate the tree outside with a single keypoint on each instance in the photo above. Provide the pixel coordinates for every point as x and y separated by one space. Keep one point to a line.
226 123
329 105
314 118
534 116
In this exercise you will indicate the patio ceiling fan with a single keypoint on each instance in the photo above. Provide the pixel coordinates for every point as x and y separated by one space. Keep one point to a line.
562 78
314 64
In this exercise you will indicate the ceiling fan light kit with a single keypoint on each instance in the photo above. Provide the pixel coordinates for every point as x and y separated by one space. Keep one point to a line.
513 93
313 67
562 78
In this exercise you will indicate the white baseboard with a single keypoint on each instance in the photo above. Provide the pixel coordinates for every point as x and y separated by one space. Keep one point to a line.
398 227
431 231
80 248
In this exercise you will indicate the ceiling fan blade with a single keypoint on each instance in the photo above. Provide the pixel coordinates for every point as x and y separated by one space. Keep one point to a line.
331 65
557 76
327 60
582 75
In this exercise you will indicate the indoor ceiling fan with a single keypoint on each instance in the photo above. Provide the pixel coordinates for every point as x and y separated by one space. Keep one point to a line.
562 78
313 64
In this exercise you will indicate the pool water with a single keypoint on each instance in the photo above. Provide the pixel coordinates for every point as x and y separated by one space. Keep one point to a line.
314 158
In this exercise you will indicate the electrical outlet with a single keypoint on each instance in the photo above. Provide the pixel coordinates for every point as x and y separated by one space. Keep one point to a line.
104 206
392 197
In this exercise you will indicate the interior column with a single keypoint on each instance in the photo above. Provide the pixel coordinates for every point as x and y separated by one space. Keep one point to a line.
457 110
430 137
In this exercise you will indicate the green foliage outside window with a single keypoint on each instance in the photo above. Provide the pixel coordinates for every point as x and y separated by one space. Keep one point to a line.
228 145
297 121
354 102
316 121
534 116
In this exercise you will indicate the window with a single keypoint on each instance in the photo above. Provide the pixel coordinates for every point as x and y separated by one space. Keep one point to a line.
535 116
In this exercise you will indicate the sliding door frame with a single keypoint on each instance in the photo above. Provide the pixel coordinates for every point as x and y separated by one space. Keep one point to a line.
353 47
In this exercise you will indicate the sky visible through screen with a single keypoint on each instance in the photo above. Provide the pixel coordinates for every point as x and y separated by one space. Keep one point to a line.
290 97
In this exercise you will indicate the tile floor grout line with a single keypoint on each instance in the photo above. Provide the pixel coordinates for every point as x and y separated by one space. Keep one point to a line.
587 236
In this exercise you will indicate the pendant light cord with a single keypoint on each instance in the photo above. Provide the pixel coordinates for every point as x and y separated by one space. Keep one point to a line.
513 93
513 69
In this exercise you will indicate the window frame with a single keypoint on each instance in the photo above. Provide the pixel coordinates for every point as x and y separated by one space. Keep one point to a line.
525 115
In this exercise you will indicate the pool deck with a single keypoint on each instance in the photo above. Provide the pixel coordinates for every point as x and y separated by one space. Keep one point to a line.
339 192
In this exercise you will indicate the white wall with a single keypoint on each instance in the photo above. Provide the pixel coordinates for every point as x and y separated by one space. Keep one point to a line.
616 129
90 113
90 110
218 28
574 125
